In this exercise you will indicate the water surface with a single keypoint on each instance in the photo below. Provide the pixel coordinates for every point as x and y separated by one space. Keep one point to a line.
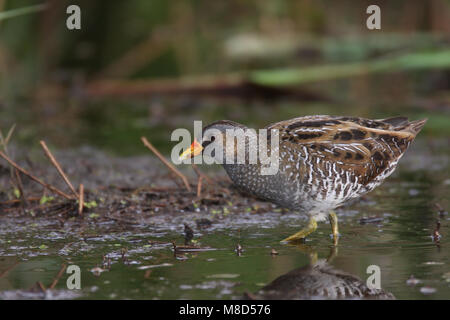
392 228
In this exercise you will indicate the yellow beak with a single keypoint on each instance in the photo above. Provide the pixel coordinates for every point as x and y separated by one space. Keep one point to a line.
195 149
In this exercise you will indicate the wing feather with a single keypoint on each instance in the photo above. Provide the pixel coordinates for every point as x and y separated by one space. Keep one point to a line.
365 148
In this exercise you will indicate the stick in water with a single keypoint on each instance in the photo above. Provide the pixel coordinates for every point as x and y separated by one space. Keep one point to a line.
58 276
29 175
168 164
81 201
199 186
58 168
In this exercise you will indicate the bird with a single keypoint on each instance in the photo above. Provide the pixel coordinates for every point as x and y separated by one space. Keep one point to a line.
318 280
323 161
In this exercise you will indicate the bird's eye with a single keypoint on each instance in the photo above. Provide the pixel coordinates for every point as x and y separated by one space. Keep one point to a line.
207 142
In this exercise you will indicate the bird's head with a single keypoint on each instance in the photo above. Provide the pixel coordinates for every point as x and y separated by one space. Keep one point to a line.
215 132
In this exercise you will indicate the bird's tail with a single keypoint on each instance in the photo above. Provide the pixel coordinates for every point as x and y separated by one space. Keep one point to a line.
415 126
402 124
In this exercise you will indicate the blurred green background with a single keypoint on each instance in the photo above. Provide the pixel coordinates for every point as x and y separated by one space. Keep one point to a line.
146 67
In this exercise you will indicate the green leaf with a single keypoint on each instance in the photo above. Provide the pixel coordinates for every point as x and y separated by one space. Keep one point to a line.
438 59
214 211
21 11
91 204
16 193
46 199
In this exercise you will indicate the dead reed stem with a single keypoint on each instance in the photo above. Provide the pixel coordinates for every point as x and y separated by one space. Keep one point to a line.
23 199
58 276
29 175
167 163
81 202
201 174
199 186
58 168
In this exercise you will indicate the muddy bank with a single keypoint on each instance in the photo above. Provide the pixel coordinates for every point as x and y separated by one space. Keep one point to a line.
130 191
141 190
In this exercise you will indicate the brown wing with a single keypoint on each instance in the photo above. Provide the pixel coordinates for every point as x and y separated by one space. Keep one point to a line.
363 147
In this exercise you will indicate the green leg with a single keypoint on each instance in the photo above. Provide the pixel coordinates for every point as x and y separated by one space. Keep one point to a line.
334 226
312 226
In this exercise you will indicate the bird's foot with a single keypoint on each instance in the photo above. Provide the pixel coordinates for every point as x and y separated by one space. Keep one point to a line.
295 239
301 235
334 227
335 238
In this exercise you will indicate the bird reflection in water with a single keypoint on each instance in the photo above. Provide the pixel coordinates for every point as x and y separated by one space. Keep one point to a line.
318 280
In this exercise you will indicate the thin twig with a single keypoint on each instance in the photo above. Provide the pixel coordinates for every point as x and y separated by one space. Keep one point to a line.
168 164
199 173
58 276
147 274
14 201
5 272
23 198
58 167
81 201
210 180
41 286
29 175
199 186
4 141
